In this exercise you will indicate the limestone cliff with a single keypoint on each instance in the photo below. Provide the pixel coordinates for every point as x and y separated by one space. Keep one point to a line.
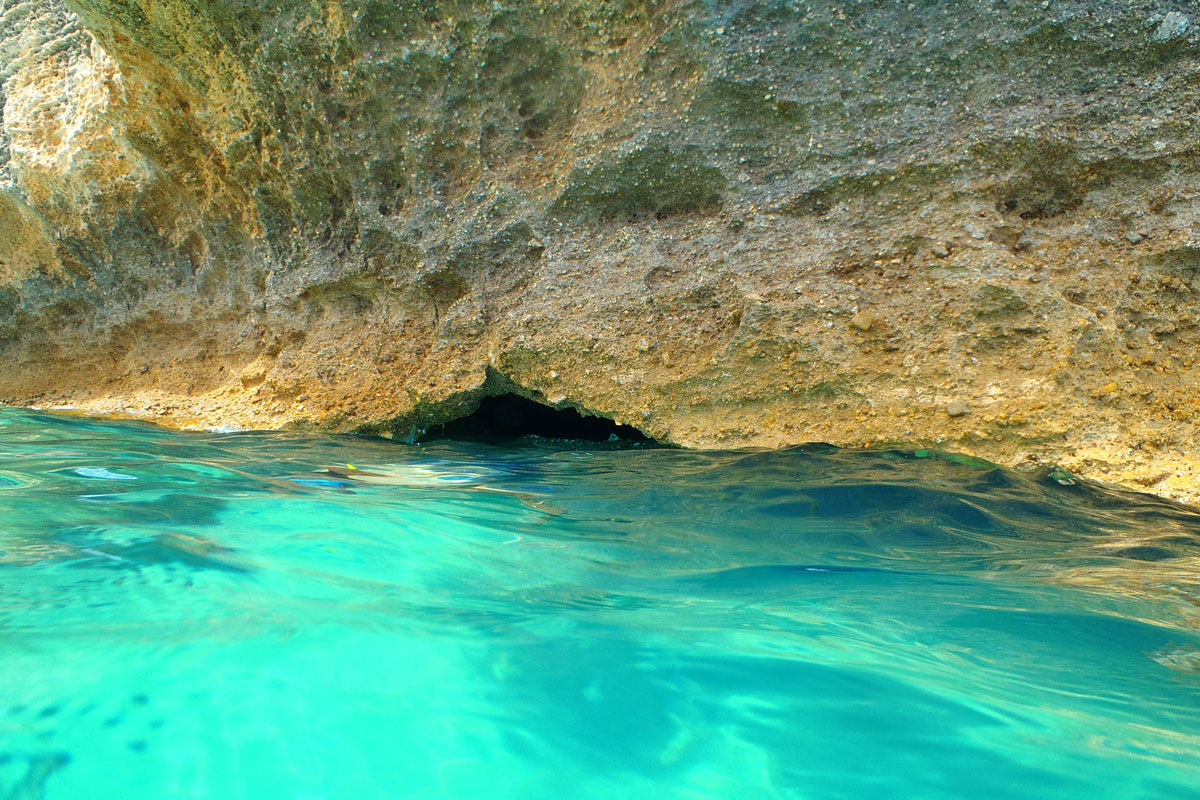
726 223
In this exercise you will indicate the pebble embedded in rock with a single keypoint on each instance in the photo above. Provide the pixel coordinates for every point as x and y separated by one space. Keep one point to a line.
1006 236
863 320
940 249
1133 237
957 408
1174 25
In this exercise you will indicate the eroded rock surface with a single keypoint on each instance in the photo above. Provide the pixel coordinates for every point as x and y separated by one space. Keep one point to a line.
725 223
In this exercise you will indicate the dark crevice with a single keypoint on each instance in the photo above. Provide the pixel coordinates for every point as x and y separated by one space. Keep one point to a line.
509 416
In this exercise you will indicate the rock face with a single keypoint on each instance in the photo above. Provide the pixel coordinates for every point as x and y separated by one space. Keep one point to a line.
360 214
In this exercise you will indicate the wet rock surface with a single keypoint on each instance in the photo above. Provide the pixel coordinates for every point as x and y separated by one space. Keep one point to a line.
680 215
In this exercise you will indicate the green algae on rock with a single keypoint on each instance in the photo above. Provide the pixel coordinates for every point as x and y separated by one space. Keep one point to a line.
653 179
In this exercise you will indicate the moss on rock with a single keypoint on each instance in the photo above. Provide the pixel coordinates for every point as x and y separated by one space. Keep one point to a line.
538 86
651 180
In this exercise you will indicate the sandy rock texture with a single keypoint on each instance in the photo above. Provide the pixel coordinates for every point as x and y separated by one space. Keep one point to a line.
970 224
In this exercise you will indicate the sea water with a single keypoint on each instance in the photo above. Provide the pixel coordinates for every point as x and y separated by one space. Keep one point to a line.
270 616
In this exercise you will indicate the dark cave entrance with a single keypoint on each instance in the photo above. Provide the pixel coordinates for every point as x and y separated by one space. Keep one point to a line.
510 416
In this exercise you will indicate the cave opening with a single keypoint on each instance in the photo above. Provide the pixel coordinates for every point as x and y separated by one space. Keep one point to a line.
510 416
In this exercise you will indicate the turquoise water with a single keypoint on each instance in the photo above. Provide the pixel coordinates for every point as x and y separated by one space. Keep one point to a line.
242 616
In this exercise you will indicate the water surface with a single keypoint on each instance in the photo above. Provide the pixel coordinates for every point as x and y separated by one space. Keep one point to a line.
270 616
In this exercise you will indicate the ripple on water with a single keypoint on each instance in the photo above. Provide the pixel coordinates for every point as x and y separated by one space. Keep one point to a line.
15 480
281 615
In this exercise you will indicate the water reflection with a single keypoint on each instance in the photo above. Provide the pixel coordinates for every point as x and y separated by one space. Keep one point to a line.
282 615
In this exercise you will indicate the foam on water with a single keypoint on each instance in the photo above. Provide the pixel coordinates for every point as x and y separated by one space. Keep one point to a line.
283 616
